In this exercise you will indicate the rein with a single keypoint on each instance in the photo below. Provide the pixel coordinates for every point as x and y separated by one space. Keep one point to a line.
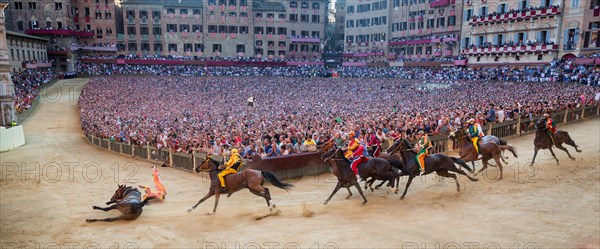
333 155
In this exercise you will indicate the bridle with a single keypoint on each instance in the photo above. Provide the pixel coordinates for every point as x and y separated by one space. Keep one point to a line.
332 155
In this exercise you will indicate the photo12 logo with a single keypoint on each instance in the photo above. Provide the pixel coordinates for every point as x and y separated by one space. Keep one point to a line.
269 245
53 172
68 245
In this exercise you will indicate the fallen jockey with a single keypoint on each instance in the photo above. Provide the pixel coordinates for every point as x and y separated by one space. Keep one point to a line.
161 192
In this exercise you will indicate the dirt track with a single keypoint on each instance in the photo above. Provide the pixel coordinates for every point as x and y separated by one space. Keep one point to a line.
48 186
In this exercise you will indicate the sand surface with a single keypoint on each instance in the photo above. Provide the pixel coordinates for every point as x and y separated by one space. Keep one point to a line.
48 186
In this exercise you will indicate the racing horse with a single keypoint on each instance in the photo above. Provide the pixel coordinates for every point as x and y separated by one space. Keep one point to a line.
489 139
374 168
251 179
128 201
542 141
438 163
487 150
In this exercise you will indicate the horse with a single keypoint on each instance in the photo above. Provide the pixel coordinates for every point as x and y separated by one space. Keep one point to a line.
542 141
128 201
438 163
251 179
488 150
322 148
341 169
374 168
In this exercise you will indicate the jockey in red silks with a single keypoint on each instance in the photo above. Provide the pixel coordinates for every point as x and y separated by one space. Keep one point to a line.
161 192
374 143
360 155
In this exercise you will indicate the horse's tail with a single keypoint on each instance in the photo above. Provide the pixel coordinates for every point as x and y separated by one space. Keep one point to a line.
270 177
564 136
510 148
502 141
462 163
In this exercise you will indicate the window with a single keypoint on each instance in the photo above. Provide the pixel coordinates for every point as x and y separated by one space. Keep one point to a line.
350 10
131 30
12 54
145 46
304 5
441 22
222 29
315 34
293 17
58 6
282 31
171 27
259 30
216 48
303 18
20 25
48 25
281 17
243 29
469 14
183 11
574 3
233 29
232 2
315 6
243 2
32 6
143 15
196 28
430 23
198 47
187 47
143 30
196 12
172 47
171 11
132 46
157 31
316 18
156 15
18 6
184 28
451 20
157 47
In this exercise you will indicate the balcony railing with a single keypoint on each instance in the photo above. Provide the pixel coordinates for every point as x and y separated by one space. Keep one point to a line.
63 32
363 54
304 39
522 15
513 49
447 53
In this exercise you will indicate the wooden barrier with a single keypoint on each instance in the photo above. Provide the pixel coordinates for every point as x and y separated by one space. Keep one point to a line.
183 161
116 147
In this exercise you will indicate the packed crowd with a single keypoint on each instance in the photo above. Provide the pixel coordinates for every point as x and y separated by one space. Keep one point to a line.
511 11
27 86
211 114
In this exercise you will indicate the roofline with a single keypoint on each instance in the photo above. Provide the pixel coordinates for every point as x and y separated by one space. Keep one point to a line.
8 32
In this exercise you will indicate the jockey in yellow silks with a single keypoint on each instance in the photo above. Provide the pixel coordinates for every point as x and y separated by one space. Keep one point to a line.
352 145
231 166
475 132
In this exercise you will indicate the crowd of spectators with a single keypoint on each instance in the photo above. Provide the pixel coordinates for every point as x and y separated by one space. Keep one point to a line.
511 11
28 83
212 115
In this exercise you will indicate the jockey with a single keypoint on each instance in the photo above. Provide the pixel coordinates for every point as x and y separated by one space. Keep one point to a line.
474 132
360 155
550 126
161 192
423 144
374 142
231 167
352 145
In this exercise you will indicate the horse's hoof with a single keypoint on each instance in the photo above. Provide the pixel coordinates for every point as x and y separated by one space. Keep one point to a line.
89 221
402 197
325 203
190 210
348 197
95 207
364 203
372 190
376 187
572 158
209 213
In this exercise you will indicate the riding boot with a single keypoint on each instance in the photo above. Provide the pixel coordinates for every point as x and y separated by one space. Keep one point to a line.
358 179
223 190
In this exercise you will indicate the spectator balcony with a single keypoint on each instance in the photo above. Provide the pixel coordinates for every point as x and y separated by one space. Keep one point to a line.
61 32
515 16
587 61
510 49
441 3
305 39
58 52
460 62
362 54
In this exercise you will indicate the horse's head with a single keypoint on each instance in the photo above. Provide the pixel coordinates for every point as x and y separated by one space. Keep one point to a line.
208 165
333 153
541 123
457 133
404 145
119 193
394 147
